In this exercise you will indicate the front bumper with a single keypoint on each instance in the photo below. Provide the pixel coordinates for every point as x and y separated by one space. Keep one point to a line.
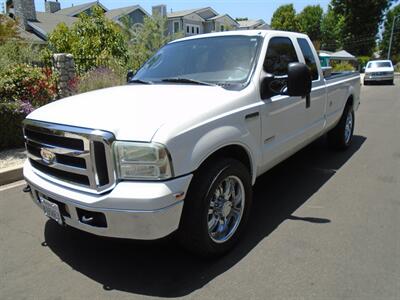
378 78
134 210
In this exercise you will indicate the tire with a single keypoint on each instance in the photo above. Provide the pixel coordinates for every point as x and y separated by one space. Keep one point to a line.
365 82
203 207
340 136
391 82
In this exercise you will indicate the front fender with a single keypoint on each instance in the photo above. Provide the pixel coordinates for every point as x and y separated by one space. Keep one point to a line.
191 148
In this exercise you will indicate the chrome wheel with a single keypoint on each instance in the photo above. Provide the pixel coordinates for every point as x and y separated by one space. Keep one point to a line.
226 209
348 129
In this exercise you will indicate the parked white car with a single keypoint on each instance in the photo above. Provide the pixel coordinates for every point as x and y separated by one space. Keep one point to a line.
179 148
379 70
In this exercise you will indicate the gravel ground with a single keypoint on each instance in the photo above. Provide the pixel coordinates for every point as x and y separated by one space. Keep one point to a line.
12 158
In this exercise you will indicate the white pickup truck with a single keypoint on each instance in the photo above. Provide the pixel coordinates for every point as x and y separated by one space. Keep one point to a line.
179 147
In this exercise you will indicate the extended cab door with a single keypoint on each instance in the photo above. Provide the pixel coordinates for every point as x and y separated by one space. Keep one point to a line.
315 112
283 117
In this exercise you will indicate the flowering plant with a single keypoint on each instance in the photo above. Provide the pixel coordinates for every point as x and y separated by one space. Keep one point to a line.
27 85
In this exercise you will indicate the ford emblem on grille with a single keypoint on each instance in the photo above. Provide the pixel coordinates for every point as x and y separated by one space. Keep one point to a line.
47 156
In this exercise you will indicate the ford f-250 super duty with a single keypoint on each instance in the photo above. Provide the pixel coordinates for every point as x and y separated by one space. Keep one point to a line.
179 147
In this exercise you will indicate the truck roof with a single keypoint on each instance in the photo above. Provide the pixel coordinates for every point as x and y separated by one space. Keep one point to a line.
262 33
380 60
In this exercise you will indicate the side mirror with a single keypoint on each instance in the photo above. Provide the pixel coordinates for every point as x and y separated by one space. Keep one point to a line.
299 80
130 75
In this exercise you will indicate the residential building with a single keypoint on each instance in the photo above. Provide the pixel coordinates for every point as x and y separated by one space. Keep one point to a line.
197 21
35 25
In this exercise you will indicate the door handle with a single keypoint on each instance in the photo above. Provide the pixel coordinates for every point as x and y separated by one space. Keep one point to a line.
252 115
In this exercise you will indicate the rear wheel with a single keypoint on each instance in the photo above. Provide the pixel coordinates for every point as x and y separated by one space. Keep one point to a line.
216 208
341 135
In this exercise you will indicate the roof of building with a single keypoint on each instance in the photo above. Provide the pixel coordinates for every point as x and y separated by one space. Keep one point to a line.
343 54
76 9
29 36
182 13
46 22
224 16
340 55
252 23
119 12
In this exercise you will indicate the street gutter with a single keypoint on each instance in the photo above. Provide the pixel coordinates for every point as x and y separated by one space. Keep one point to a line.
11 174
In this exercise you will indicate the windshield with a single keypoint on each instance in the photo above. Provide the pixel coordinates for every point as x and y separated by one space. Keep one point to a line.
382 64
225 60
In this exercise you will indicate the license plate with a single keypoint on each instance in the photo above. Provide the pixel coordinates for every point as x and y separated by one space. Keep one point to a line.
51 210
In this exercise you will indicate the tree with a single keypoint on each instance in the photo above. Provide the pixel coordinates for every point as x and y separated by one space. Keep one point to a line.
310 21
361 23
8 29
146 39
331 30
284 18
384 44
93 40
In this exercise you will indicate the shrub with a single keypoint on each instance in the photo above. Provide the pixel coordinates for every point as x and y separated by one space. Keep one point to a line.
28 84
99 78
91 40
13 52
8 29
22 89
11 116
362 61
342 66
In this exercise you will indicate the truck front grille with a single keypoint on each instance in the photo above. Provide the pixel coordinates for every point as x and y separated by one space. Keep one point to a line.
76 157
380 73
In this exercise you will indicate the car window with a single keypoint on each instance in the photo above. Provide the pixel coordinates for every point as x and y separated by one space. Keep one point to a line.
309 57
226 60
379 64
280 53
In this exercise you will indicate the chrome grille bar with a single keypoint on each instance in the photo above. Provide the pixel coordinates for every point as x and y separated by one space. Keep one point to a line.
72 153
59 166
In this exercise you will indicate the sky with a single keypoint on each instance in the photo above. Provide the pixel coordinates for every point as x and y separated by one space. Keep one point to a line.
253 9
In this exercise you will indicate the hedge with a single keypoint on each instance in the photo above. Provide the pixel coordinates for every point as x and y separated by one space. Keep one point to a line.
11 126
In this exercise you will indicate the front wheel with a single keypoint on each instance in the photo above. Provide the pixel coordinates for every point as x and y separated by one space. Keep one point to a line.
216 208
341 135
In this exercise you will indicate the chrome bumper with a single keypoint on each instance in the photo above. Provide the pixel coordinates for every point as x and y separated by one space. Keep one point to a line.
144 211
379 78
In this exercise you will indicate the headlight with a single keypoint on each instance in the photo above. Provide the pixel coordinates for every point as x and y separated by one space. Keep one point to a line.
143 161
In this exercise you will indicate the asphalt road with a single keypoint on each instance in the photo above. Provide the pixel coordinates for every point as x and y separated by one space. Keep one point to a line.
325 225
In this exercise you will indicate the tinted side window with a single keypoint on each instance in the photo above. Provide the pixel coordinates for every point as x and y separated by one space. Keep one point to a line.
280 53
309 58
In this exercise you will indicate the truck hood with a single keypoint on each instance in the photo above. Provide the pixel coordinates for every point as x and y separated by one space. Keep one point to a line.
136 112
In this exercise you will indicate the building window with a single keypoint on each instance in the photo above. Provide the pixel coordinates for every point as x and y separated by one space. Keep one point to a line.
187 29
176 27
197 30
222 28
193 29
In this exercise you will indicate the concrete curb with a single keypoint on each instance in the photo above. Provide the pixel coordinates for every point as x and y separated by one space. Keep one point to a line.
11 174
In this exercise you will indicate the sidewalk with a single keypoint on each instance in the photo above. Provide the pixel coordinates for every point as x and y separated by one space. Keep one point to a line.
11 162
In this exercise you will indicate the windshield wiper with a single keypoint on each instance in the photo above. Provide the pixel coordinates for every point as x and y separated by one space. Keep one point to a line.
140 81
186 80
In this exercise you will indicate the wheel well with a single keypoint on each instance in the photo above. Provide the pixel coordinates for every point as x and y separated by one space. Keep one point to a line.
232 151
350 101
